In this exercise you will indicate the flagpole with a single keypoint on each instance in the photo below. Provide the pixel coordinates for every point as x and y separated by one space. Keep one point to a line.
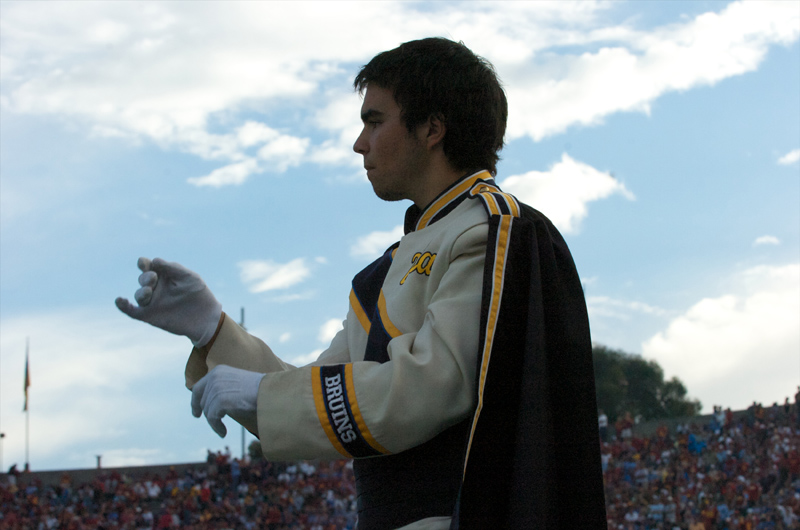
244 328
2 435
27 439
27 406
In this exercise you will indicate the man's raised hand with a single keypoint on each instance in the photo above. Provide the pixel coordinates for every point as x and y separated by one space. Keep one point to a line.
175 299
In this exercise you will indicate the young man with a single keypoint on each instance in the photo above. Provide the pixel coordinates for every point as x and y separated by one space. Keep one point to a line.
462 381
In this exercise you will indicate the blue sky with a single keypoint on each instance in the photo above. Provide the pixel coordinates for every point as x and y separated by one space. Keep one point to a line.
663 139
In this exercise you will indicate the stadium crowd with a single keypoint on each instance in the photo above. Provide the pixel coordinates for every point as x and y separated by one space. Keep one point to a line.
227 493
733 473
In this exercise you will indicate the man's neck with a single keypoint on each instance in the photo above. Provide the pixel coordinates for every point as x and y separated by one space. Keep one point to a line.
439 177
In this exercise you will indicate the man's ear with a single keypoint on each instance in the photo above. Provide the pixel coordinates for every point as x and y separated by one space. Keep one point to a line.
436 130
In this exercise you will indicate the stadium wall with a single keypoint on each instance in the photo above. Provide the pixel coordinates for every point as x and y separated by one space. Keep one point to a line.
83 476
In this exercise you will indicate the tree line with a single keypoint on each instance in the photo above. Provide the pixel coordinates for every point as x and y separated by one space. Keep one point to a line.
628 383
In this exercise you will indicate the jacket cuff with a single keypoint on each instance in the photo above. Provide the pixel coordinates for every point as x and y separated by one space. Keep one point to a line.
196 366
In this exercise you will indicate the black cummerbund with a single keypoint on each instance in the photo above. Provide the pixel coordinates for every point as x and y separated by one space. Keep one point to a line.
398 489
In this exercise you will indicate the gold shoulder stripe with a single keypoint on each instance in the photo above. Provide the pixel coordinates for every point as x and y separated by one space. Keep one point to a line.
322 413
490 194
387 323
360 423
491 202
359 311
513 205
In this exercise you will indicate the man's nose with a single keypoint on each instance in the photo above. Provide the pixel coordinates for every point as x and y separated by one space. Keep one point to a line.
361 146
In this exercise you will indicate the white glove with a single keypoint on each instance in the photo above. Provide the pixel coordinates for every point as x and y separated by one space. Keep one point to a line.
174 299
227 390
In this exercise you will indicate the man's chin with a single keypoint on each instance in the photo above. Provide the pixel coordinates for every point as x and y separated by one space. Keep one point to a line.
388 195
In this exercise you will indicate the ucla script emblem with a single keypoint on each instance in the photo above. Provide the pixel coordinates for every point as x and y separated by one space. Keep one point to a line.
420 263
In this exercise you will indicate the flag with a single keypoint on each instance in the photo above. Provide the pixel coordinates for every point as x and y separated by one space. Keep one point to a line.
27 379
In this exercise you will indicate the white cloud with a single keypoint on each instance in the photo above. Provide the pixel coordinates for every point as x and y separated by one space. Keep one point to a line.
162 72
634 68
284 337
739 347
766 240
266 275
789 158
231 174
607 307
302 360
341 117
563 192
166 71
375 243
284 151
253 133
329 330
278 152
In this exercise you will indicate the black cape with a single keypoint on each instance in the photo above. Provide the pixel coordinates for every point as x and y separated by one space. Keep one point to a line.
533 455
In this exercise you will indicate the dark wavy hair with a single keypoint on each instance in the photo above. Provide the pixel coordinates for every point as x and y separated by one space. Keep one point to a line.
439 77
